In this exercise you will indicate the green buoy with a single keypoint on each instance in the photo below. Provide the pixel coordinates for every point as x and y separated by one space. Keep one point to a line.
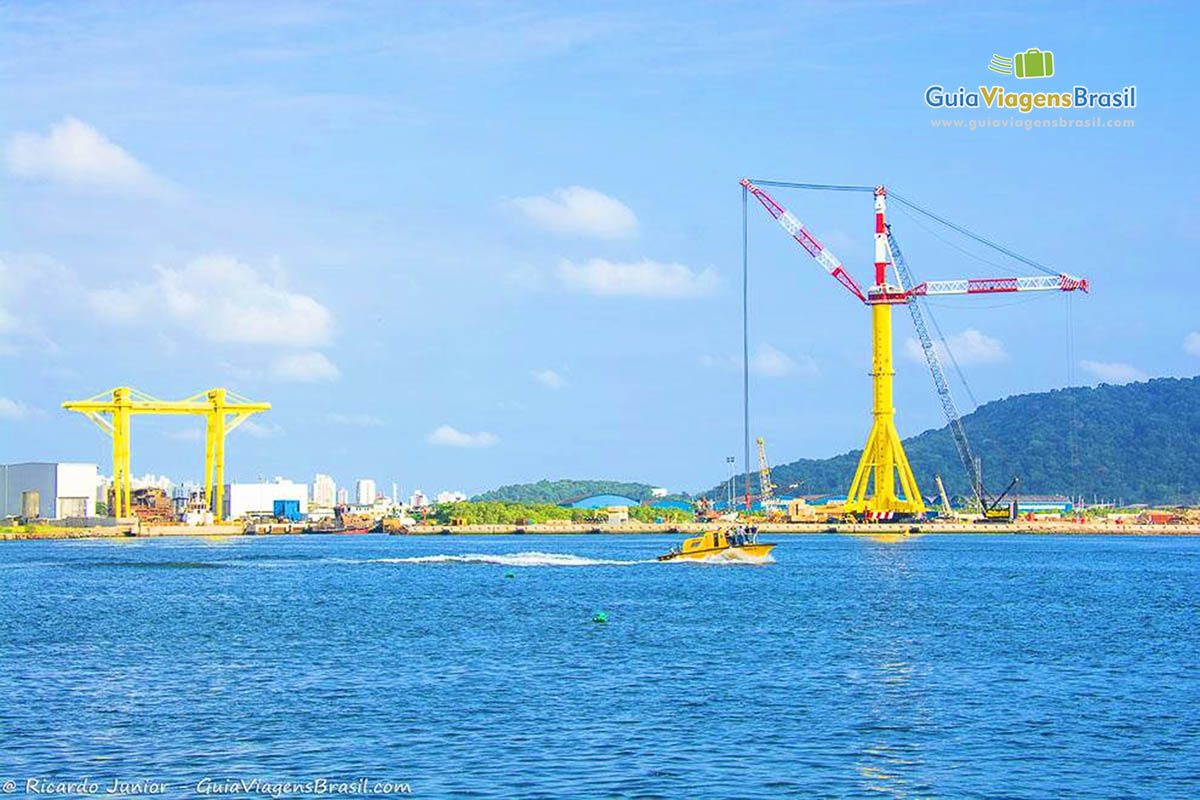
600 616
510 574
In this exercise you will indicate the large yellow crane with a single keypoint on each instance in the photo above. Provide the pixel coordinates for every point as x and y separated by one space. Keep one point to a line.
111 412
884 484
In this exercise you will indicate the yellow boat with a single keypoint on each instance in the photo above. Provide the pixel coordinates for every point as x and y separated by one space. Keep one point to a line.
736 544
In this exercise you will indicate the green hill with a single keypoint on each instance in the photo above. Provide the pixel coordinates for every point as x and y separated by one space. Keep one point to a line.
560 491
1139 442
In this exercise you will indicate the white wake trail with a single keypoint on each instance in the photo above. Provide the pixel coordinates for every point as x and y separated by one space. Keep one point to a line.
528 559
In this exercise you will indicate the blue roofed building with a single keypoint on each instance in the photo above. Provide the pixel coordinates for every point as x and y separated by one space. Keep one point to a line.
602 501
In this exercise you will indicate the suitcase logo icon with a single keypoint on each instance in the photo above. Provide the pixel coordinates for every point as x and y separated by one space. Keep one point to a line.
1033 63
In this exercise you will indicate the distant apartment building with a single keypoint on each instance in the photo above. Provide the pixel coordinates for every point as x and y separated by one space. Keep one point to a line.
364 491
418 499
324 490
58 490
343 496
450 497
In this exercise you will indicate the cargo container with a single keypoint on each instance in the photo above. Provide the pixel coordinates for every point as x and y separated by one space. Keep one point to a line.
288 509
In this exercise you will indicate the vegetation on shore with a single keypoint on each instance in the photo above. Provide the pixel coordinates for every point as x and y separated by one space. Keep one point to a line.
1135 442
565 490
494 512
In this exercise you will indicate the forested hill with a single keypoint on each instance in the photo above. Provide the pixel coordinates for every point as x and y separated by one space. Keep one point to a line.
1139 442
560 491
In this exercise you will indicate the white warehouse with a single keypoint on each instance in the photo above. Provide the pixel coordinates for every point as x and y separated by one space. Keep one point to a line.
250 498
64 490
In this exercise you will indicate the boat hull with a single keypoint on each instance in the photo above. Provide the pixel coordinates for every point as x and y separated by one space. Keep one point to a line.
744 552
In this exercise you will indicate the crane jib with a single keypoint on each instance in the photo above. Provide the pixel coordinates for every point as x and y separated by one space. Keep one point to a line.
1039 283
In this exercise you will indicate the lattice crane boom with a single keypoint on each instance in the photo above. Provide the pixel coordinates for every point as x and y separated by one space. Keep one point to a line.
793 226
961 443
765 487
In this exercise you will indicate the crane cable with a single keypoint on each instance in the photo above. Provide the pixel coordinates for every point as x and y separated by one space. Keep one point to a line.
845 187
981 239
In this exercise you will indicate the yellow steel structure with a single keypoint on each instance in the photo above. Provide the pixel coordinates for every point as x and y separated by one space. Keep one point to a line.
765 486
884 483
223 411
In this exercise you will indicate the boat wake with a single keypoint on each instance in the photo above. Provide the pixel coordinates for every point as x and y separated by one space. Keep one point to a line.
528 559
731 556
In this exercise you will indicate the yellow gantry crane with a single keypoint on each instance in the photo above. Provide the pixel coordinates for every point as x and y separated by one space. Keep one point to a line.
223 411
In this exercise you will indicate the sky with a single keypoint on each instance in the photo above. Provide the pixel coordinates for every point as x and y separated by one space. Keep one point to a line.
460 245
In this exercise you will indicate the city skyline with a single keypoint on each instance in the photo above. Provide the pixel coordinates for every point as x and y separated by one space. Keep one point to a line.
444 253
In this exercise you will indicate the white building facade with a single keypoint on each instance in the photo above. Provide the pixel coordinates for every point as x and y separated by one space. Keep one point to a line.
64 490
259 498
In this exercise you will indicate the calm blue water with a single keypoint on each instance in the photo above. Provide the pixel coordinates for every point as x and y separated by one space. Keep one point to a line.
934 666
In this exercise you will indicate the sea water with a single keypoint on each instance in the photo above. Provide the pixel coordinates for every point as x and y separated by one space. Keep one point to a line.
947 666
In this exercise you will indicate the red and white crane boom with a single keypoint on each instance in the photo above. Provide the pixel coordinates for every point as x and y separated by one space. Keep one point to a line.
881 294
820 252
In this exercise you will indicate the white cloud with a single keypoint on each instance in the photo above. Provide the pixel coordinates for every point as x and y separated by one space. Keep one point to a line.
15 411
643 278
1191 343
448 436
549 378
260 430
774 363
356 420
1113 371
224 300
189 434
767 361
969 347
307 367
579 210
35 293
76 154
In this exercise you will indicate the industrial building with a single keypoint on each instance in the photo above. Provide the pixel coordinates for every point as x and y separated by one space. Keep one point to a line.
601 501
62 489
242 499
1044 503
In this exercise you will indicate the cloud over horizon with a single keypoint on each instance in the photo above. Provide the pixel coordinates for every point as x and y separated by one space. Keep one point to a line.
307 367
579 210
449 436
969 347
645 278
76 154
772 362
1191 343
222 299
1113 371
14 410
549 378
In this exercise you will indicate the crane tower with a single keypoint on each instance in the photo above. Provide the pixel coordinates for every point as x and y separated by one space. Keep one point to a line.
884 484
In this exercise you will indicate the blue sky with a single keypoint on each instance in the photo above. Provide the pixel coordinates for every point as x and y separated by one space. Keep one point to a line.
467 244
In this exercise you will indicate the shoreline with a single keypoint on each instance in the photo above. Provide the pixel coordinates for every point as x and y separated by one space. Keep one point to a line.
42 533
